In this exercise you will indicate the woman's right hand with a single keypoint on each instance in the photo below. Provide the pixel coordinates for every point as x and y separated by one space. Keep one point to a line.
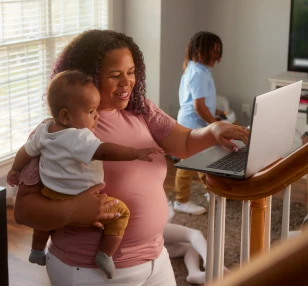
86 209
90 208
224 133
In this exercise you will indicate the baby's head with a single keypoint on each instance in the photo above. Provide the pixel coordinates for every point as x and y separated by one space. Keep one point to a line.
73 100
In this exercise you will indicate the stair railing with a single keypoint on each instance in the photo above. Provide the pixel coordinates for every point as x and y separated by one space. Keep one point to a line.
286 264
255 193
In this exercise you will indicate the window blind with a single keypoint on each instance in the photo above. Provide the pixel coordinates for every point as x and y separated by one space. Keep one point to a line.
32 33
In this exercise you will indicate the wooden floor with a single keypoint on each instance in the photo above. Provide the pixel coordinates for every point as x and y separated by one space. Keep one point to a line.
23 273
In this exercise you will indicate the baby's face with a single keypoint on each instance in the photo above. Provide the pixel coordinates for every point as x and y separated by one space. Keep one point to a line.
83 113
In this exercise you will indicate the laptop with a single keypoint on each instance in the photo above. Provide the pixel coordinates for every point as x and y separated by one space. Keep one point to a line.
272 130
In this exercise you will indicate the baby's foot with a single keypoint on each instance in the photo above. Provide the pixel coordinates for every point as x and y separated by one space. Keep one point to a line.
105 263
38 257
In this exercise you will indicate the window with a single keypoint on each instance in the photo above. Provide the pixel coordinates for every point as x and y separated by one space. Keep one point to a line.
32 33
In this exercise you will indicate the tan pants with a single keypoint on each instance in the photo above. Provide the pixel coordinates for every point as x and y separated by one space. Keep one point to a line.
183 180
111 227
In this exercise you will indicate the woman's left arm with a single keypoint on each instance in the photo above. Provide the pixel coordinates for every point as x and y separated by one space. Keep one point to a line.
183 142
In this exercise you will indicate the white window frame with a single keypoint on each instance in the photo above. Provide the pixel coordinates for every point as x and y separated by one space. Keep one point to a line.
48 41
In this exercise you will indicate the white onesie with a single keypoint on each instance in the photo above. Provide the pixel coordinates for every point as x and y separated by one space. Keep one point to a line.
66 164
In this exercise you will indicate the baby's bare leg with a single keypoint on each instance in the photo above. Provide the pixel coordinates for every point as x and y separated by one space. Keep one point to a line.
39 240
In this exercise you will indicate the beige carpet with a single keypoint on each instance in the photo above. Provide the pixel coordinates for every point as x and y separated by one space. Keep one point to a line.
233 227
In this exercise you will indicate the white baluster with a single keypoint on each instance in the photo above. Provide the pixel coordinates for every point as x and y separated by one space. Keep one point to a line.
245 233
222 264
218 238
210 240
286 213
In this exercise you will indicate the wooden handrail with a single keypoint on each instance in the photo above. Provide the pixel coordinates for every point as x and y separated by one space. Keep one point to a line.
267 182
286 264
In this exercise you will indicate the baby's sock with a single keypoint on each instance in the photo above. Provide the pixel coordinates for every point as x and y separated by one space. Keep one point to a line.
105 263
38 257
196 277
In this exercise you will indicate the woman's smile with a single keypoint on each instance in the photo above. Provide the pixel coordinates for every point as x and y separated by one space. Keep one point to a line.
123 95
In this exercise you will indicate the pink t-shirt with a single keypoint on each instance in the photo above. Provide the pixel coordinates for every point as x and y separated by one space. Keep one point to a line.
138 183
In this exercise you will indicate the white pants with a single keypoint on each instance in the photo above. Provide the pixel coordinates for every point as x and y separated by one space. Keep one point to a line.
158 272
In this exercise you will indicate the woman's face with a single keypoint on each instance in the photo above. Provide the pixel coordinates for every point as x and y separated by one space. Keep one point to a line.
117 79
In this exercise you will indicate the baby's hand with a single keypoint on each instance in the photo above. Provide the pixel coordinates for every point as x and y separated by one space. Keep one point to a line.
13 178
143 154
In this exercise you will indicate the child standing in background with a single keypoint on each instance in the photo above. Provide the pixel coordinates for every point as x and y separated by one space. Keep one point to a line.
197 95
70 158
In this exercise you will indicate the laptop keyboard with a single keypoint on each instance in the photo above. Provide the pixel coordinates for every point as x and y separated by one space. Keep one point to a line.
234 161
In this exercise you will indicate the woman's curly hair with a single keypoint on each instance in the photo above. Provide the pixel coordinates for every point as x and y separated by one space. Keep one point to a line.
86 53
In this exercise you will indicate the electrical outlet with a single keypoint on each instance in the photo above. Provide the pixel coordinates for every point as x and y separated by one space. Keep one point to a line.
246 109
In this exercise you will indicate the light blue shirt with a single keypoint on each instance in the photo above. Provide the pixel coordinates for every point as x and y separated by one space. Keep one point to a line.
196 82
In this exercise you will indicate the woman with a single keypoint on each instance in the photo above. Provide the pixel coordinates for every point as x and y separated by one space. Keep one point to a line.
116 64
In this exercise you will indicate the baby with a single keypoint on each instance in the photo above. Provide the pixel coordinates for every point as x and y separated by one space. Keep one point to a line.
70 156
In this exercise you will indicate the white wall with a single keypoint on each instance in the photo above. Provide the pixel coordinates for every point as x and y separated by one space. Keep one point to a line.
179 23
116 15
142 20
254 35
255 39
162 29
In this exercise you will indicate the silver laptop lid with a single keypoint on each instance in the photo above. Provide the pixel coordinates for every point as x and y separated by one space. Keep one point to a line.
273 126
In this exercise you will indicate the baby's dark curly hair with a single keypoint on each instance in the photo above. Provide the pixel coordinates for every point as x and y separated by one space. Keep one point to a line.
200 47
59 91
86 53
